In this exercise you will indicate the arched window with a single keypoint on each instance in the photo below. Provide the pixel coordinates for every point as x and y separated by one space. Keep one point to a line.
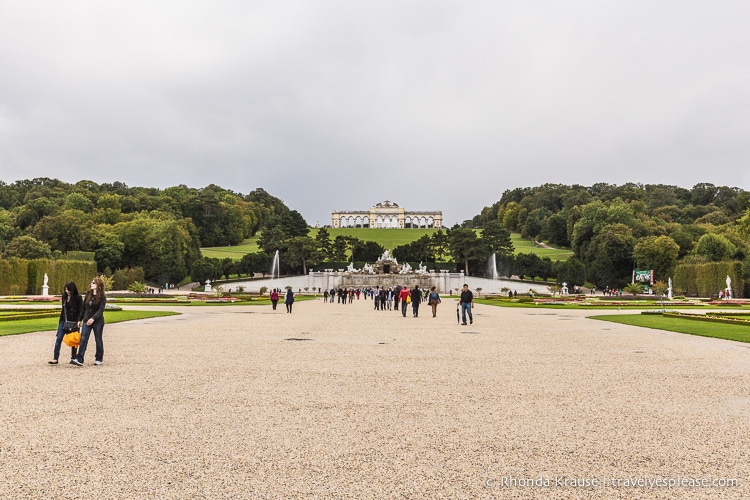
407 221
366 221
379 221
358 221
351 221
422 222
430 222
342 222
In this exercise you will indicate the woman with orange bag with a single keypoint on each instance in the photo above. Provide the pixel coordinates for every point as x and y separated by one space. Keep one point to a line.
71 310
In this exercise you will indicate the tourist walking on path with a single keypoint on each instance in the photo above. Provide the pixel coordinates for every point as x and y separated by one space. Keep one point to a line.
71 311
274 298
403 295
416 299
434 300
92 318
289 300
466 302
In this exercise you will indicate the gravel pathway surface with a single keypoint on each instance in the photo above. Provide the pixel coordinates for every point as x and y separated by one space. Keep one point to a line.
342 401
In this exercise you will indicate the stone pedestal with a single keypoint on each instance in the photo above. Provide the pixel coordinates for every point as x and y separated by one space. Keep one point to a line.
45 290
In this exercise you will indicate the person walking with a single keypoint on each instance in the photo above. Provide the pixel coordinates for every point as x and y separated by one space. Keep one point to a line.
466 302
274 298
434 300
405 298
416 299
289 300
72 304
92 318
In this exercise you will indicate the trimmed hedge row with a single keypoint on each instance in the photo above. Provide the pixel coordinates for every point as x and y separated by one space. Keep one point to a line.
29 315
709 319
706 280
21 276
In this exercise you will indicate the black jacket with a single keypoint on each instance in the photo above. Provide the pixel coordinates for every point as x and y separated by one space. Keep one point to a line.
72 309
93 309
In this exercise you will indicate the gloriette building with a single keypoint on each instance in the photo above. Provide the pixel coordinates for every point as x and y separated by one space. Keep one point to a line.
387 215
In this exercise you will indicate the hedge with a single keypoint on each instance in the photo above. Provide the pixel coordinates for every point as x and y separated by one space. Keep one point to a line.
706 280
21 276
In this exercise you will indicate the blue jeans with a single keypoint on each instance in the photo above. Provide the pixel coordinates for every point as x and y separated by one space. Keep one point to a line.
403 307
98 328
466 307
58 343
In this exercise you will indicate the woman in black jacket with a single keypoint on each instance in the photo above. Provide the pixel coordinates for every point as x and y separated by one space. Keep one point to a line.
92 318
71 311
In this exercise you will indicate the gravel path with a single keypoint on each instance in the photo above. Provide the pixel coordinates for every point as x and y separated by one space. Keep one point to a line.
341 401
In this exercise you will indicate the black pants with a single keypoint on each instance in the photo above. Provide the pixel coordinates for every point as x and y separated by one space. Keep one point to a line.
289 306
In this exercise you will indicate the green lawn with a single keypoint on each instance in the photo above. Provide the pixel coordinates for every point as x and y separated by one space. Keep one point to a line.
740 333
388 238
249 245
50 324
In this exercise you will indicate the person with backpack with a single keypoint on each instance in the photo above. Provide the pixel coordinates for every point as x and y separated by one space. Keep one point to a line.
434 300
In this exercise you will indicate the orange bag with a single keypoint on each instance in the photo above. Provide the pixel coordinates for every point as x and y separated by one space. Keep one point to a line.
72 339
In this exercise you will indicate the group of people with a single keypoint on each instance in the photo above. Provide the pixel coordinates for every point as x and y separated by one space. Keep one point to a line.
288 299
88 314
387 298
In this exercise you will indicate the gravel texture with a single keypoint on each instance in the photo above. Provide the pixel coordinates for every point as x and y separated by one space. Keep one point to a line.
342 401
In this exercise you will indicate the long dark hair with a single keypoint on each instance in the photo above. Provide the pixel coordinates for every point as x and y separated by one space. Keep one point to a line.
99 291
72 288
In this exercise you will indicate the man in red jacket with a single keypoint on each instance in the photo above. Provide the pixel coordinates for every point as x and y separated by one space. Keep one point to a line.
403 294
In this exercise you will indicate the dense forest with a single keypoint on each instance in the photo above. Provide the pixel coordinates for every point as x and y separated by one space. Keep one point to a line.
158 230
614 229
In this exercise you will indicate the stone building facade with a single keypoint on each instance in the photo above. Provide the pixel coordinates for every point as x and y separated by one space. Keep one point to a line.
387 215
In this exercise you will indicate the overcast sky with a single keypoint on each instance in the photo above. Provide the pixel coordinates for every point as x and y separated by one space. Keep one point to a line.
436 105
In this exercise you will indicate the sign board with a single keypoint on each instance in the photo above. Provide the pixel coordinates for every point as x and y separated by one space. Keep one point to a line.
645 277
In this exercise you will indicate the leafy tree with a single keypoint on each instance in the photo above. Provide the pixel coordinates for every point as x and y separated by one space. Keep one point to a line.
27 247
367 251
302 250
206 268
258 262
656 252
108 253
497 239
271 239
338 250
611 255
461 243
323 239
715 247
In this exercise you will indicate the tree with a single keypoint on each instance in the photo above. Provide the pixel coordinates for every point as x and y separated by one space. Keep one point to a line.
367 251
497 239
610 255
461 243
206 268
271 239
301 250
323 239
27 247
258 262
108 253
715 247
656 252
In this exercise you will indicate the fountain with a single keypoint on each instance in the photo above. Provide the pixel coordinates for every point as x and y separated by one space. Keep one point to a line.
275 266
492 266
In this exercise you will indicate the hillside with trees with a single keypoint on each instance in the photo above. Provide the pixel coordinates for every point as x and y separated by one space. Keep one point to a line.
614 229
158 230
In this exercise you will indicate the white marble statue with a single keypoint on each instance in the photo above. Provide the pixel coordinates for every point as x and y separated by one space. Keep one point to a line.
46 279
729 288
386 255
207 287
564 289
350 267
406 269
368 268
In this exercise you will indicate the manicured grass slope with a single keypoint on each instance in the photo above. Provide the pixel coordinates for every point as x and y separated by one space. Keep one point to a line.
388 238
